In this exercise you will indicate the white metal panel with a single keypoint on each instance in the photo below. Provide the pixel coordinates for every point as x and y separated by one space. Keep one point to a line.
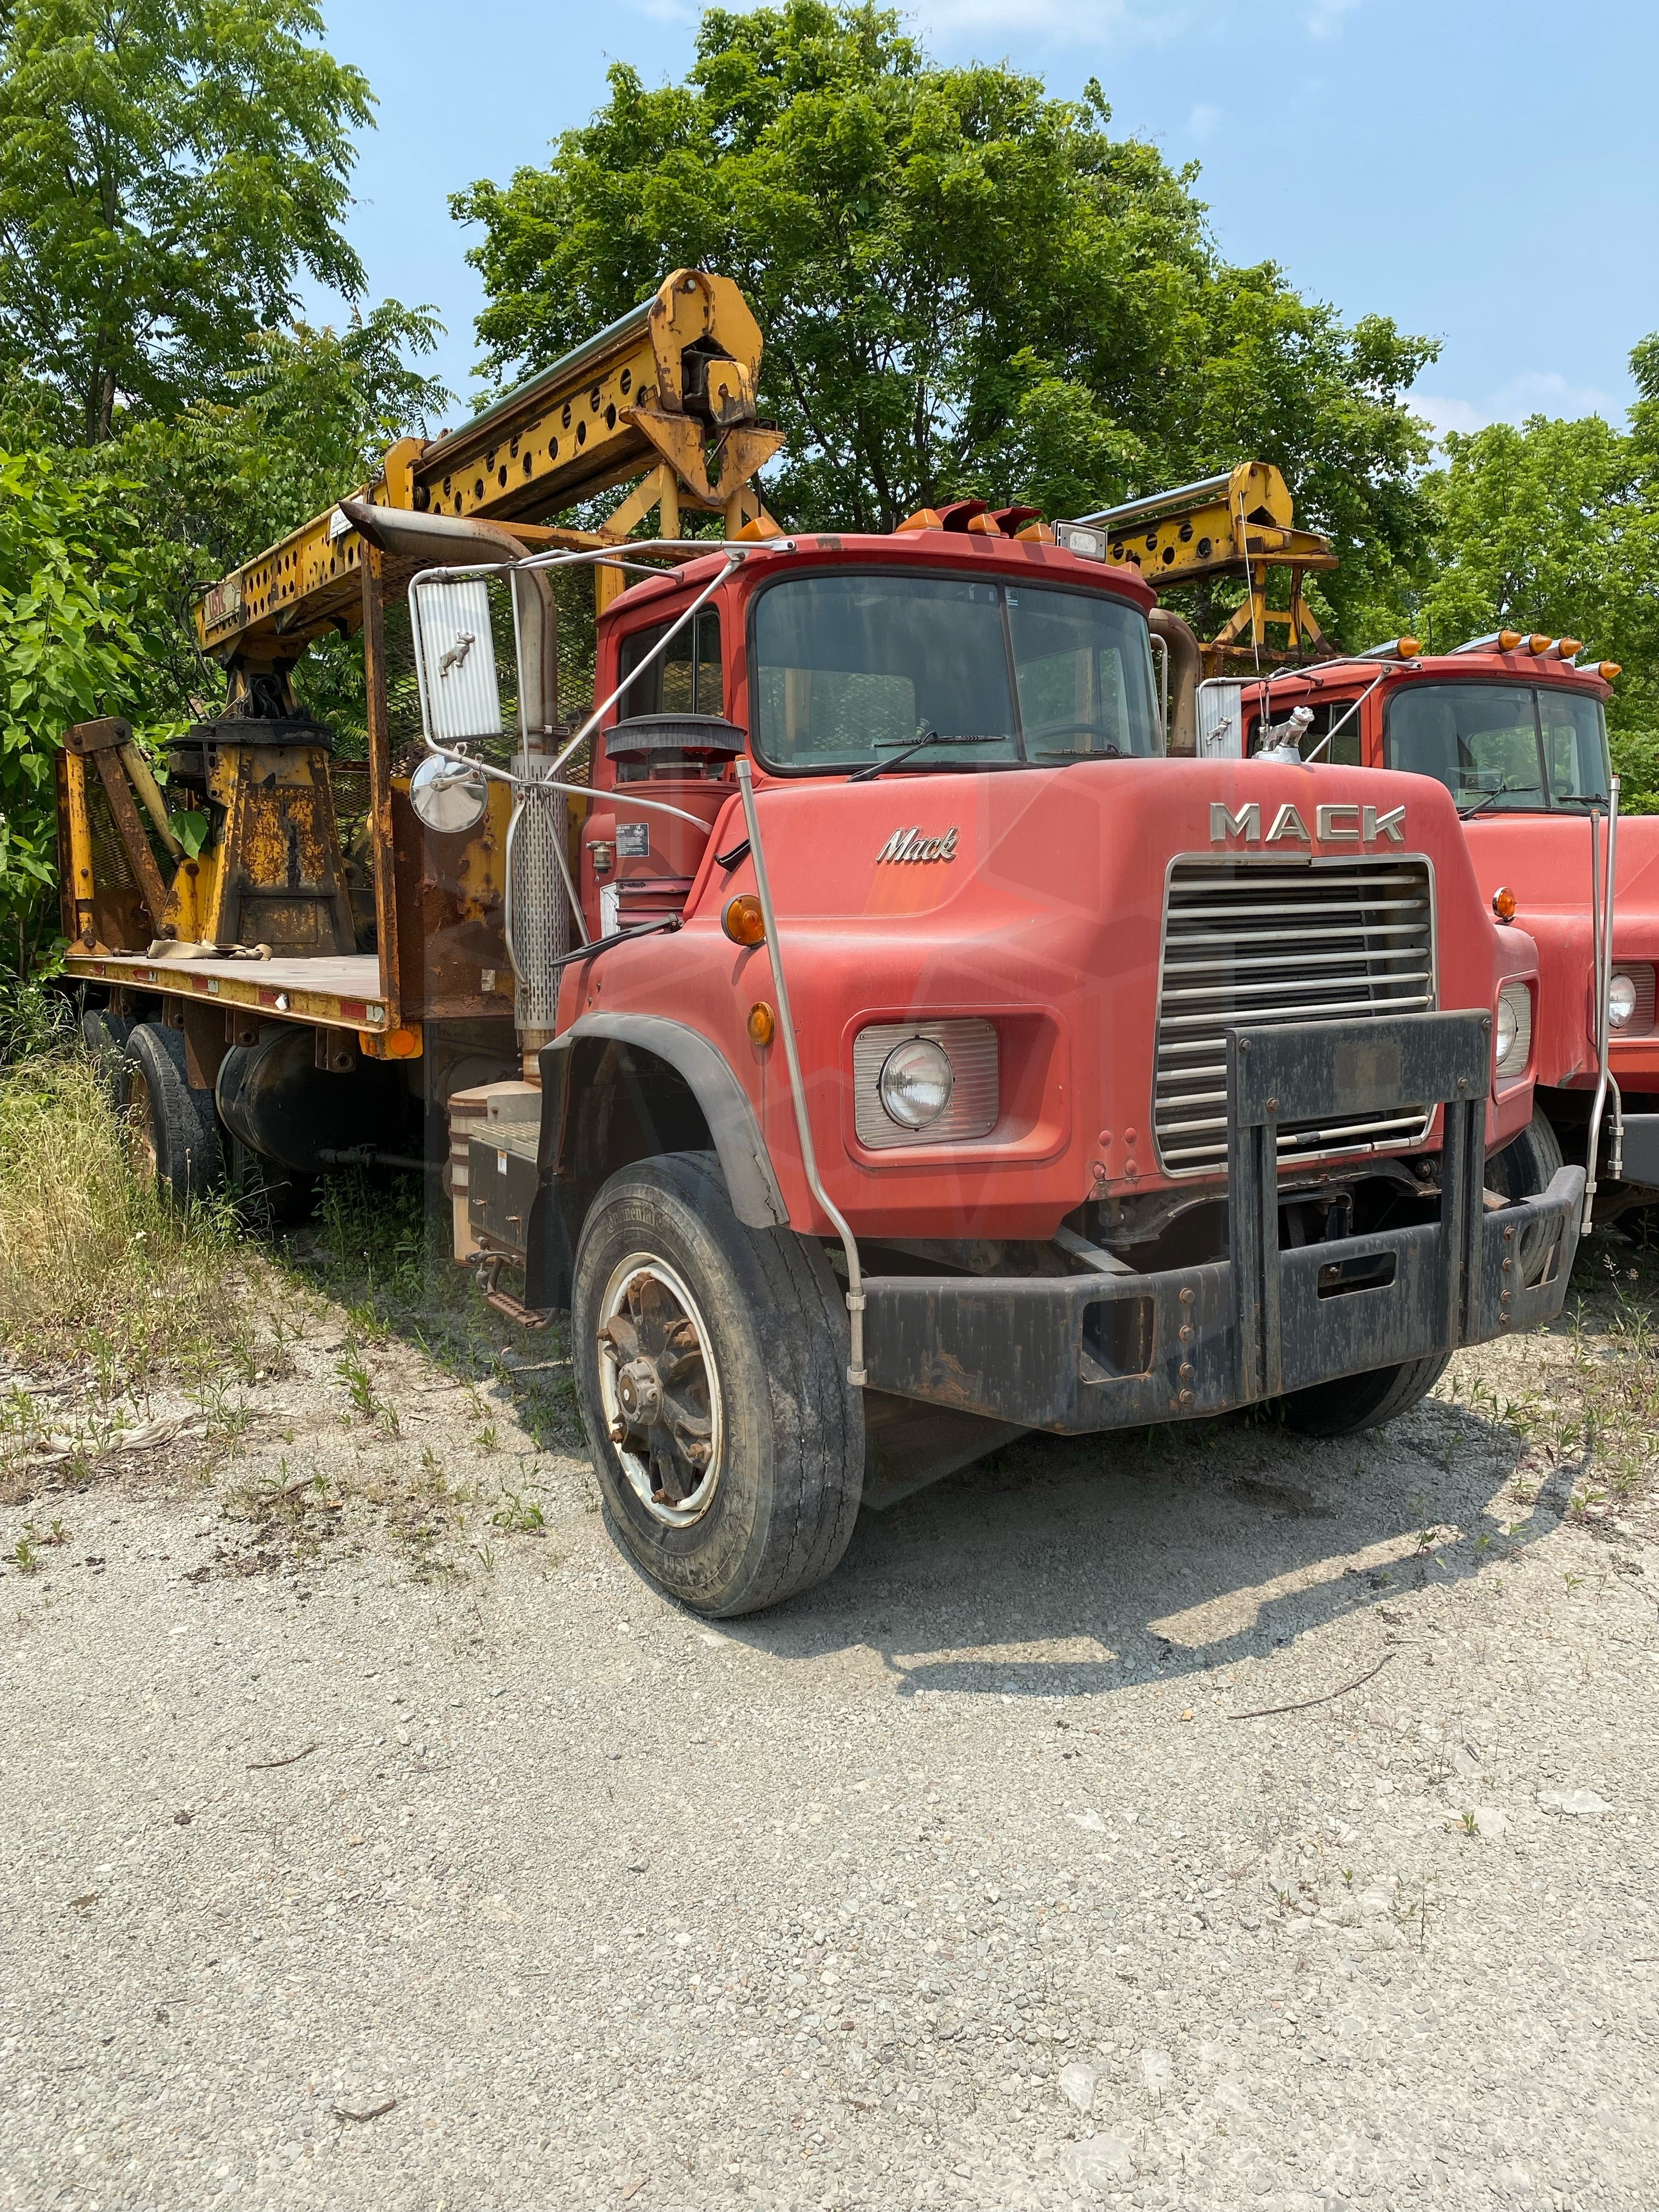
455 655
1221 722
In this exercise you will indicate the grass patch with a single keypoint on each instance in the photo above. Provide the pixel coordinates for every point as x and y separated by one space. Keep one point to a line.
95 1265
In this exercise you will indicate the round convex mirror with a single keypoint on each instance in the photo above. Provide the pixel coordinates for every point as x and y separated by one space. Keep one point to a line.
448 795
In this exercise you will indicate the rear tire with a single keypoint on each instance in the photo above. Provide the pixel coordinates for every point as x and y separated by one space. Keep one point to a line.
174 1131
1525 1168
711 1371
107 1038
1352 1402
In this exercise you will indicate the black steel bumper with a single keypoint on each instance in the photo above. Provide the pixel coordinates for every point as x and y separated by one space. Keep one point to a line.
1640 1163
1078 1353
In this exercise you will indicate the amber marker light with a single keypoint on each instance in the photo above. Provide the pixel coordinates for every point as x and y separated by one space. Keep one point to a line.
1408 647
1570 647
1503 903
763 1024
1537 644
1606 670
1507 639
743 920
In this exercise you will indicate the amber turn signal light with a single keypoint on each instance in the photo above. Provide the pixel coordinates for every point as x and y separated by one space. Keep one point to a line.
763 1024
1503 903
743 920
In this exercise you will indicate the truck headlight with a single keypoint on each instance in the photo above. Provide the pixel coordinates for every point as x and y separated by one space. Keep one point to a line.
1514 1033
924 1083
915 1082
1621 999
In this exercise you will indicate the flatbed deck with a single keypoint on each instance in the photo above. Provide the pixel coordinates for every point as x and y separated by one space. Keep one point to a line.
335 991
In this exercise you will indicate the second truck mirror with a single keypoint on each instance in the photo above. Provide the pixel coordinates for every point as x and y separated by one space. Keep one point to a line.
1220 721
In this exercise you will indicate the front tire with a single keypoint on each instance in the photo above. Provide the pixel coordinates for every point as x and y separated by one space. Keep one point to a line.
711 1371
1525 1168
174 1132
1352 1402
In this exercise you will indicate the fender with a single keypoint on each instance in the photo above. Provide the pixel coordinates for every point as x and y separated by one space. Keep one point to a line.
561 1198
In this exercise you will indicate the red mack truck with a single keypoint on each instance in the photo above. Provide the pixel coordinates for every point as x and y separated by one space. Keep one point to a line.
882 1047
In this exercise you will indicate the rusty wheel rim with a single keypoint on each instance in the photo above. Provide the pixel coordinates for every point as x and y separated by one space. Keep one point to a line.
661 1390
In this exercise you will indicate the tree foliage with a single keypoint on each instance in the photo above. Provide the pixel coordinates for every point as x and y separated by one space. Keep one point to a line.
84 620
166 169
965 285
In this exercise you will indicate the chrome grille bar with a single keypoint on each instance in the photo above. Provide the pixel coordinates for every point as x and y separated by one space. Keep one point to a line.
1272 942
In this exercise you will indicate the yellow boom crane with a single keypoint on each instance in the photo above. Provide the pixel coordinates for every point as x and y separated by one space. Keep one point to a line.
1240 523
661 402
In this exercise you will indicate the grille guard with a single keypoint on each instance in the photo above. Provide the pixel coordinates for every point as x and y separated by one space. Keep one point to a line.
1081 1353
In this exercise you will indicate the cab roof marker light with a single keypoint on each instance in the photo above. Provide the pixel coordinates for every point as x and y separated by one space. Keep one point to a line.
1537 645
1606 670
1079 537
1570 648
1397 648
1495 640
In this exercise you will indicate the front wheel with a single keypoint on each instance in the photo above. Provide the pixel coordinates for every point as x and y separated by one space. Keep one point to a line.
1354 1402
711 1371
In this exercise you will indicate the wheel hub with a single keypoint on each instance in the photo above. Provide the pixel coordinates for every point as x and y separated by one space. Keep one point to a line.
639 1393
661 1397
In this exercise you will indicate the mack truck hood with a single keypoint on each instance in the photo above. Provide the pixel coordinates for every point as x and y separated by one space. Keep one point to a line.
1046 906
1545 860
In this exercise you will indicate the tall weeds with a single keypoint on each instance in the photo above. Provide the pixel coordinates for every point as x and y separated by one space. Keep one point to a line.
93 1264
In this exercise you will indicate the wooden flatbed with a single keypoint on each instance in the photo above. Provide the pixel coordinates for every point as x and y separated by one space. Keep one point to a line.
333 991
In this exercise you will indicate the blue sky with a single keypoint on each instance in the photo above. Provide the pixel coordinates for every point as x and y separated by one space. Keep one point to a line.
1485 174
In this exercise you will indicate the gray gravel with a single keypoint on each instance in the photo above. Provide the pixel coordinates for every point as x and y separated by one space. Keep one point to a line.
958 1883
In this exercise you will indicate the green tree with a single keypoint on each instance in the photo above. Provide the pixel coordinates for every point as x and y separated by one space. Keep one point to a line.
966 286
168 168
1554 525
84 626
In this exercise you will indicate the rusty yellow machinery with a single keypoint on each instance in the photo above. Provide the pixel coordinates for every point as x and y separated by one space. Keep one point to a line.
661 402
1241 523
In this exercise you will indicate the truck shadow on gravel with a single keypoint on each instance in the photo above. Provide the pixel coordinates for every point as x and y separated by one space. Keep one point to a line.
1068 1567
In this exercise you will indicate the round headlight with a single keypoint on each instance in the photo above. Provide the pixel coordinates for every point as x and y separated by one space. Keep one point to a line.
1507 1027
915 1082
1621 1000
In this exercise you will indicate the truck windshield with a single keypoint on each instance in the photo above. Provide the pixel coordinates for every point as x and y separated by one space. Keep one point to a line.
1524 748
848 668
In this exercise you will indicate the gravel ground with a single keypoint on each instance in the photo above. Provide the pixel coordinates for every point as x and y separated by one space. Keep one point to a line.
367 1844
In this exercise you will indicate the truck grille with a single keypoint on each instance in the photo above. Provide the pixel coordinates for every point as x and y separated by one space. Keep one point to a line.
1267 942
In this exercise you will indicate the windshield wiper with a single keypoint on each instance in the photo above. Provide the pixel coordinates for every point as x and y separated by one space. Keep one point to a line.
933 737
1498 791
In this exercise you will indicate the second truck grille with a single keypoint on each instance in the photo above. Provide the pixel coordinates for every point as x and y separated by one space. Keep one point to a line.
1266 943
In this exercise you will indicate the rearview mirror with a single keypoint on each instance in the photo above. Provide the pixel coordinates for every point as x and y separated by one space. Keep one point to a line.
449 796
455 657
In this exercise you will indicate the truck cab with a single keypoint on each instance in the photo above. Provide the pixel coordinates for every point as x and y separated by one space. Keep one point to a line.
1513 727
942 1060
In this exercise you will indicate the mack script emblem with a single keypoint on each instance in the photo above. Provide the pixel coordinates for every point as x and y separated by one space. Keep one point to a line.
911 845
1342 824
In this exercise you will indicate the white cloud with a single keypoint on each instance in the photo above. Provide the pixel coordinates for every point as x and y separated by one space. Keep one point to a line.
1204 122
1071 23
1534 392
1325 17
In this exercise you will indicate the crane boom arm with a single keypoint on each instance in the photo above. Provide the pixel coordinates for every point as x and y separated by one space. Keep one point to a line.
669 385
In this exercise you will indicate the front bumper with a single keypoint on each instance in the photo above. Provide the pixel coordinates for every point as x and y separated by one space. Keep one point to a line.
1640 1151
1079 1353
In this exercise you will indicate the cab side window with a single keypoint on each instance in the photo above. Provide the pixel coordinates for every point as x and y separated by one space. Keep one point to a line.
683 680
